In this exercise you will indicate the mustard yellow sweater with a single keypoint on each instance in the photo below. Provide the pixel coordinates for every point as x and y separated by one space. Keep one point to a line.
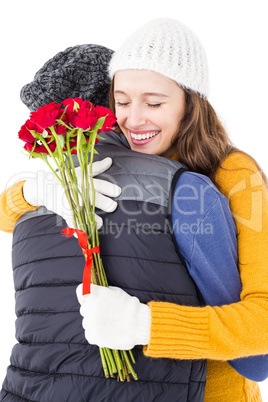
214 333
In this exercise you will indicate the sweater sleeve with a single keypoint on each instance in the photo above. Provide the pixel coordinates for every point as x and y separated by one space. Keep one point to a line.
13 206
239 329
206 236
209 249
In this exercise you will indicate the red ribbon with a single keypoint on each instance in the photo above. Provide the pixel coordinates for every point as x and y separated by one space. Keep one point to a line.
82 240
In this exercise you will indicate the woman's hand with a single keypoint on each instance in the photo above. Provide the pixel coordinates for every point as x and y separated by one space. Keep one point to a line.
114 319
47 190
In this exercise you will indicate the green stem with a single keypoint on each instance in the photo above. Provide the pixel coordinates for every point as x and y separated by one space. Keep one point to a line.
104 363
109 365
129 367
100 269
92 182
79 148
125 366
117 360
90 205
131 356
51 168
74 191
59 148
41 138
70 156
84 198
94 279
69 196
111 359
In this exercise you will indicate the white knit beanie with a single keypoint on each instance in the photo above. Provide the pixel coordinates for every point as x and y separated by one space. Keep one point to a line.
168 47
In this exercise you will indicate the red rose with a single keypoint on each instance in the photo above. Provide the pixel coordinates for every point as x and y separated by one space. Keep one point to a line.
73 144
47 115
60 128
70 103
79 116
110 119
40 148
102 111
87 105
68 117
24 133
85 119
82 103
70 111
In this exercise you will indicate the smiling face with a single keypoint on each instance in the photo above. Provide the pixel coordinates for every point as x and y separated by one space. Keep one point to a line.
149 108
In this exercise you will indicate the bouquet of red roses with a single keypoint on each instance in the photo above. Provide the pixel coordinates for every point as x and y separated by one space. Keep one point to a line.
59 131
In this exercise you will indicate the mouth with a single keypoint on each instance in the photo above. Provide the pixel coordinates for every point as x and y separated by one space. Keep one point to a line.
143 138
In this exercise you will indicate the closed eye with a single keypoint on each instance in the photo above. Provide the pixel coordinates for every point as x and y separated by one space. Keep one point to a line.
122 104
154 104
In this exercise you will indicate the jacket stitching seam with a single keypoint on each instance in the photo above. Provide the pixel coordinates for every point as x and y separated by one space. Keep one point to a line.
33 237
47 259
49 285
103 255
102 378
19 396
143 259
44 312
189 381
122 287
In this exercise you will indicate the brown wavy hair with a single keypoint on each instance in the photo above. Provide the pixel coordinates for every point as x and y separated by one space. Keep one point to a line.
202 143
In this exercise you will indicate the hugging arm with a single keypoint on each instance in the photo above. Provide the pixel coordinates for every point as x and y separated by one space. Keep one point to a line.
231 330
209 248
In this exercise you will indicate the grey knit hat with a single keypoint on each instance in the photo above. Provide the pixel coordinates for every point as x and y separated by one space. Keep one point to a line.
79 71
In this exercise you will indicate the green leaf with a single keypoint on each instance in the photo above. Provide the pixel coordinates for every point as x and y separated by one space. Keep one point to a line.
99 124
61 139
76 106
44 133
44 157
83 139
34 134
51 140
80 141
61 123
101 138
56 153
33 154
73 132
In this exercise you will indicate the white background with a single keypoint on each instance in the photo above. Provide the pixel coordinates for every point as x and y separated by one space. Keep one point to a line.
234 33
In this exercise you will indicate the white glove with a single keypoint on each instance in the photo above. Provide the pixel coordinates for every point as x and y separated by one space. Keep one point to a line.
113 318
45 189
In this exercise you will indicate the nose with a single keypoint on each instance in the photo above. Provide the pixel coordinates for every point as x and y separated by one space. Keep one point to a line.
136 116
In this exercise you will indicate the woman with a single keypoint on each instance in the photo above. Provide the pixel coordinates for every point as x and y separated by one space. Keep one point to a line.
159 92
215 390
